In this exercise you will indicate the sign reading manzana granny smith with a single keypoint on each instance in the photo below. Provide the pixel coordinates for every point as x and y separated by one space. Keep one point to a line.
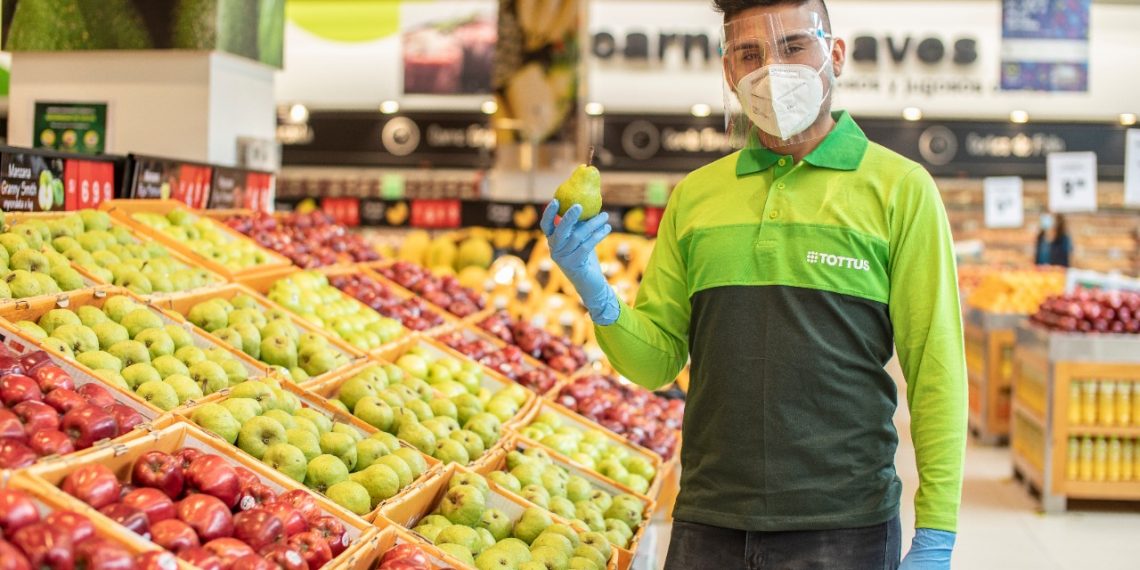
71 127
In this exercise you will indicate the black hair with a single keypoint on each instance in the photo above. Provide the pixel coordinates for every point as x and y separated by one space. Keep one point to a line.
731 8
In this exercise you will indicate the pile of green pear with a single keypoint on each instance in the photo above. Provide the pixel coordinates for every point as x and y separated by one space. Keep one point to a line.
355 470
309 295
593 450
30 266
108 251
486 538
268 335
130 346
206 238
534 476
455 423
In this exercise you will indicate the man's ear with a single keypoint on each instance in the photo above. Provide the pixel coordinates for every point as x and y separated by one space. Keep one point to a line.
838 56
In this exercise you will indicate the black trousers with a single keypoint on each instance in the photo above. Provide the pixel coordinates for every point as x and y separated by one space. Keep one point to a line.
700 547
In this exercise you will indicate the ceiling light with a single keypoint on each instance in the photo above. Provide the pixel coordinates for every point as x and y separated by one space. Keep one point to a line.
701 110
390 107
298 113
1019 117
912 114
1128 119
594 109
489 107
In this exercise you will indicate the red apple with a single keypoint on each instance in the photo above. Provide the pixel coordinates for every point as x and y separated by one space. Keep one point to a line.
45 546
228 550
88 425
157 561
255 495
187 455
246 477
285 557
213 475
156 504
11 558
102 554
51 377
77 526
64 400
303 501
259 528
134 519
19 388
200 558
17 510
15 455
10 364
290 516
33 361
93 484
11 428
207 515
406 553
96 395
36 416
158 470
125 416
313 546
332 530
173 535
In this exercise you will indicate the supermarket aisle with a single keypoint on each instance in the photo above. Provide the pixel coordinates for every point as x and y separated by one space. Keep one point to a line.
1000 527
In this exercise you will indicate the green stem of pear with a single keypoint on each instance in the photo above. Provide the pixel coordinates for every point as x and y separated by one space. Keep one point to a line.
590 156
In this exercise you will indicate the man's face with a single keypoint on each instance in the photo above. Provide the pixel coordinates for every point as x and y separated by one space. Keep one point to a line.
785 33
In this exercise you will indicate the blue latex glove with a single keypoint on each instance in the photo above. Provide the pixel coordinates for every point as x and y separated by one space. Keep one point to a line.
572 246
930 550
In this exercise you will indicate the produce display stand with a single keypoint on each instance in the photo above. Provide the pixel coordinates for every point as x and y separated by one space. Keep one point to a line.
989 366
179 435
181 305
1051 438
422 500
363 269
471 332
125 210
366 554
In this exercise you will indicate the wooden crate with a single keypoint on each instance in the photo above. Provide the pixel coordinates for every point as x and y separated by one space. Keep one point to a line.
989 343
424 499
125 210
182 304
1048 367
180 435
366 555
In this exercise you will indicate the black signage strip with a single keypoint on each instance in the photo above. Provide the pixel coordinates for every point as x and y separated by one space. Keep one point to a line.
119 162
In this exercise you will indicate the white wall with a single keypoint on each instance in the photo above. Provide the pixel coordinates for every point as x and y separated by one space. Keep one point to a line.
241 104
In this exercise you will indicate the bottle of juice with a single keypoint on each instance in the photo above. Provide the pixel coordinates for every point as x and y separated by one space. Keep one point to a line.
1075 403
1127 456
1124 403
1087 452
1072 469
1114 458
1107 408
1088 404
1100 459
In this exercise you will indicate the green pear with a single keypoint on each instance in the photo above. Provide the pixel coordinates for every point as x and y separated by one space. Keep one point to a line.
533 521
584 188
78 337
463 505
374 411
210 376
308 442
242 408
179 335
56 318
158 394
99 360
352 496
381 482
216 419
397 464
157 342
413 458
257 434
324 471
288 459
506 481
496 522
464 536
185 387
340 445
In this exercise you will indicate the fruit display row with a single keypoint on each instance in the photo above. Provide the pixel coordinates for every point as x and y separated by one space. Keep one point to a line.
308 240
444 292
556 351
639 415
1091 311
1017 292
507 360
309 295
46 410
413 312
206 238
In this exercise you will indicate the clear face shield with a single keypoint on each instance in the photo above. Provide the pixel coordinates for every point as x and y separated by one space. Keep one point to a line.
777 78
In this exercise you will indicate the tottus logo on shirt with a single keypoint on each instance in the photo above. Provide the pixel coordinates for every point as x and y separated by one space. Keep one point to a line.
819 258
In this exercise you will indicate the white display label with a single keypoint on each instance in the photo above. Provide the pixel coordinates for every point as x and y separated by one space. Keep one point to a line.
1072 181
1132 168
1004 202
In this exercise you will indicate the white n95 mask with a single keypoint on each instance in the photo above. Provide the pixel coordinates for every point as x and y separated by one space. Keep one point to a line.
782 100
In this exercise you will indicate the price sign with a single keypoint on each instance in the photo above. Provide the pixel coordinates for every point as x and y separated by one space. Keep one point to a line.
345 211
1004 202
259 192
652 220
193 185
1132 168
436 214
1072 181
88 183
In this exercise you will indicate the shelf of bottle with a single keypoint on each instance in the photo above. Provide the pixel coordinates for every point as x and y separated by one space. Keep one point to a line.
1106 431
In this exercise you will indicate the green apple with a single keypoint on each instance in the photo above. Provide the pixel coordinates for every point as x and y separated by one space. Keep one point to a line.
340 445
308 442
158 394
288 459
258 433
218 420
185 387
242 408
99 360
324 471
212 378
380 481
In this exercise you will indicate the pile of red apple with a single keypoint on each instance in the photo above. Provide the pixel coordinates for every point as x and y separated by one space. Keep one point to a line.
556 351
413 312
445 292
308 240
62 539
405 557
635 413
1091 311
507 361
44 413
212 514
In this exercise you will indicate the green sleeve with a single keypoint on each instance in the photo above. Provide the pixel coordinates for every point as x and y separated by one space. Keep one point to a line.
927 323
649 344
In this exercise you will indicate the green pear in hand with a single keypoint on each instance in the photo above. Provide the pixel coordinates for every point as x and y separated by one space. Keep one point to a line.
584 187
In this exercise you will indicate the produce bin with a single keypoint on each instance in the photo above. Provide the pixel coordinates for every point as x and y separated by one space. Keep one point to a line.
989 366
366 555
528 364
362 269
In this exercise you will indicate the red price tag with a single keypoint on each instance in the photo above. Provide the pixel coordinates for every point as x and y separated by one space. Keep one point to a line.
87 183
345 211
652 220
436 214
193 185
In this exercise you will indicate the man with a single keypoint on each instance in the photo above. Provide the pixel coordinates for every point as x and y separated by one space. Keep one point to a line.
790 272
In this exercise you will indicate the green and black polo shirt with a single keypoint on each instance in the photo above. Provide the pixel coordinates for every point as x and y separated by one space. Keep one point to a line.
790 285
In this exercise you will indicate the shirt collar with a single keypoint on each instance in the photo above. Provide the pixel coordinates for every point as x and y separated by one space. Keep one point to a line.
842 149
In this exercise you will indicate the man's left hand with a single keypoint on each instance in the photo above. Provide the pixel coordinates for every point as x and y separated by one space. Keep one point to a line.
930 550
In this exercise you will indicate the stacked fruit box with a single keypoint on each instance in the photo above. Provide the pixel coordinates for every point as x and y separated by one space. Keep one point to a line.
189 492
304 354
210 243
385 297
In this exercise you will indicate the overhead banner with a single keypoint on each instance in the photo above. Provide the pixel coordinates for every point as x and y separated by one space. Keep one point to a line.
1072 182
70 127
1004 207
1045 45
